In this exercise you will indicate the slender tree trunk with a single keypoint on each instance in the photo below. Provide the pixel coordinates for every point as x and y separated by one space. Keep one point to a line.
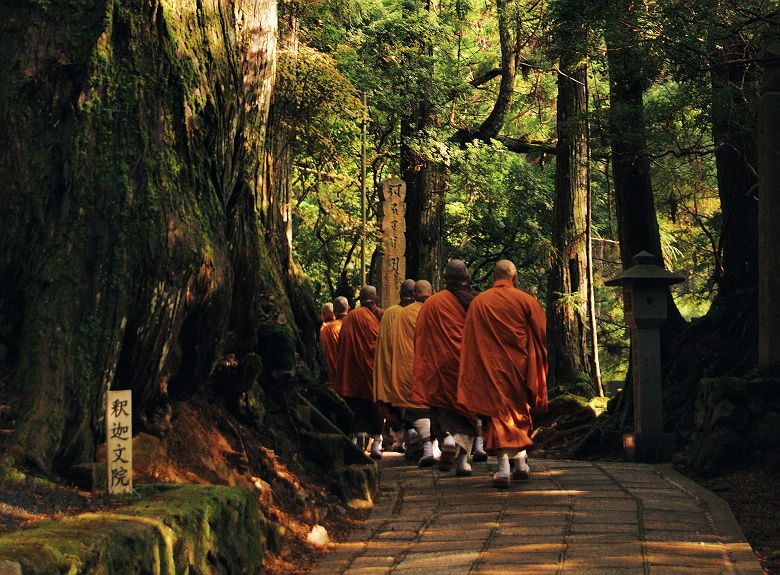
636 216
426 183
568 329
492 125
769 207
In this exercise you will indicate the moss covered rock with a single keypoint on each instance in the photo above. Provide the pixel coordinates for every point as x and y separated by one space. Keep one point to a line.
714 452
171 529
277 346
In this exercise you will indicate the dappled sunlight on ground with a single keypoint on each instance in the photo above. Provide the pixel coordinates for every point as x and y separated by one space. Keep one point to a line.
578 518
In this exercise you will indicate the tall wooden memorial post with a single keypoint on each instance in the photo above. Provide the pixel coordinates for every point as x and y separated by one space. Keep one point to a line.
392 264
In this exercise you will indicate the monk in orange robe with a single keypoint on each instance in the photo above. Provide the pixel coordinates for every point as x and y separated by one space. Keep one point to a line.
355 372
438 337
400 391
383 365
329 337
503 368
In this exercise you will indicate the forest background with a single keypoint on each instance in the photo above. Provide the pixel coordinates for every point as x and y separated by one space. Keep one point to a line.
469 91
182 188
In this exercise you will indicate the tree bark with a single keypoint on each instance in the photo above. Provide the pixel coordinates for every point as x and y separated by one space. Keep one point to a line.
495 120
568 330
636 216
734 87
426 183
280 141
129 141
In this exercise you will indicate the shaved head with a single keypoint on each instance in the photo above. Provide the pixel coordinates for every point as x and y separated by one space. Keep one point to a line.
422 289
407 289
327 313
340 306
367 294
505 270
456 272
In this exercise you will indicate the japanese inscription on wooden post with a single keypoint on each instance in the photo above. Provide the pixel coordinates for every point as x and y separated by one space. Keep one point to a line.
119 441
392 265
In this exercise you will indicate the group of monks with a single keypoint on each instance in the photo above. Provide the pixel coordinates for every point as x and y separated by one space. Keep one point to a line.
457 369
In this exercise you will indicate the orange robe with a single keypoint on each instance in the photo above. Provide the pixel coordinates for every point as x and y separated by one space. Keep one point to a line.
357 346
438 338
403 357
329 337
503 364
383 363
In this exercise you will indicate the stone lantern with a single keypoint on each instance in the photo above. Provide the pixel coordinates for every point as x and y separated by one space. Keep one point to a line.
644 305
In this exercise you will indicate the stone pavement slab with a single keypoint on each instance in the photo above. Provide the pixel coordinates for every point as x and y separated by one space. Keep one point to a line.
573 518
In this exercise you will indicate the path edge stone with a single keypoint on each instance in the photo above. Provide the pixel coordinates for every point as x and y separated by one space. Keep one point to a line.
743 558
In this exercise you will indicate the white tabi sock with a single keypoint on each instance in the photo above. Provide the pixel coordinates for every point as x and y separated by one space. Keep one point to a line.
448 445
462 465
448 452
479 444
521 461
436 450
376 446
423 427
503 464
427 449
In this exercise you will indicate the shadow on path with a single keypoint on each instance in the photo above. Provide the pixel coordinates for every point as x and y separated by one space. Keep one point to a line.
573 518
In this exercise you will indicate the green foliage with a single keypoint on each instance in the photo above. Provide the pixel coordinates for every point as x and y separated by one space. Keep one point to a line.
499 203
310 86
499 207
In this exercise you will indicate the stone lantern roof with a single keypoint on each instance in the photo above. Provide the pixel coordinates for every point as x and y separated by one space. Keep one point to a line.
646 271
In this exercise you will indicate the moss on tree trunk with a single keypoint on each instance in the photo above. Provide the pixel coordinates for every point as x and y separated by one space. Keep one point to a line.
130 147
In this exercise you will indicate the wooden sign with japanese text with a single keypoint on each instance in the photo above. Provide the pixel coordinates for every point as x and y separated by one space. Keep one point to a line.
119 441
392 264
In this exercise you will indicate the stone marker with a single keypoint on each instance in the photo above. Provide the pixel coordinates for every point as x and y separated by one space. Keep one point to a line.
392 263
644 305
119 441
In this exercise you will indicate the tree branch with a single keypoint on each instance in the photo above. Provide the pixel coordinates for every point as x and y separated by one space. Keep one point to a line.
485 78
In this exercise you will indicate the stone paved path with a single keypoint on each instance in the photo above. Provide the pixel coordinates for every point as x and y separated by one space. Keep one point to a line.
583 518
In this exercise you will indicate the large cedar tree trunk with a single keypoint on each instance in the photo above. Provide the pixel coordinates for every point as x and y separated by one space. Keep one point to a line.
568 332
130 148
278 192
725 341
734 91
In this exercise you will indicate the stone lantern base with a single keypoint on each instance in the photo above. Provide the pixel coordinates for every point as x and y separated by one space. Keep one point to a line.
648 447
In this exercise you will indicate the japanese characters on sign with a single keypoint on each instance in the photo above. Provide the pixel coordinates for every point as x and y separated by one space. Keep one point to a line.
392 265
119 441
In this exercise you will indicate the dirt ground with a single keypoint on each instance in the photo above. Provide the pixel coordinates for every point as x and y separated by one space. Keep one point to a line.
208 445
25 503
754 496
